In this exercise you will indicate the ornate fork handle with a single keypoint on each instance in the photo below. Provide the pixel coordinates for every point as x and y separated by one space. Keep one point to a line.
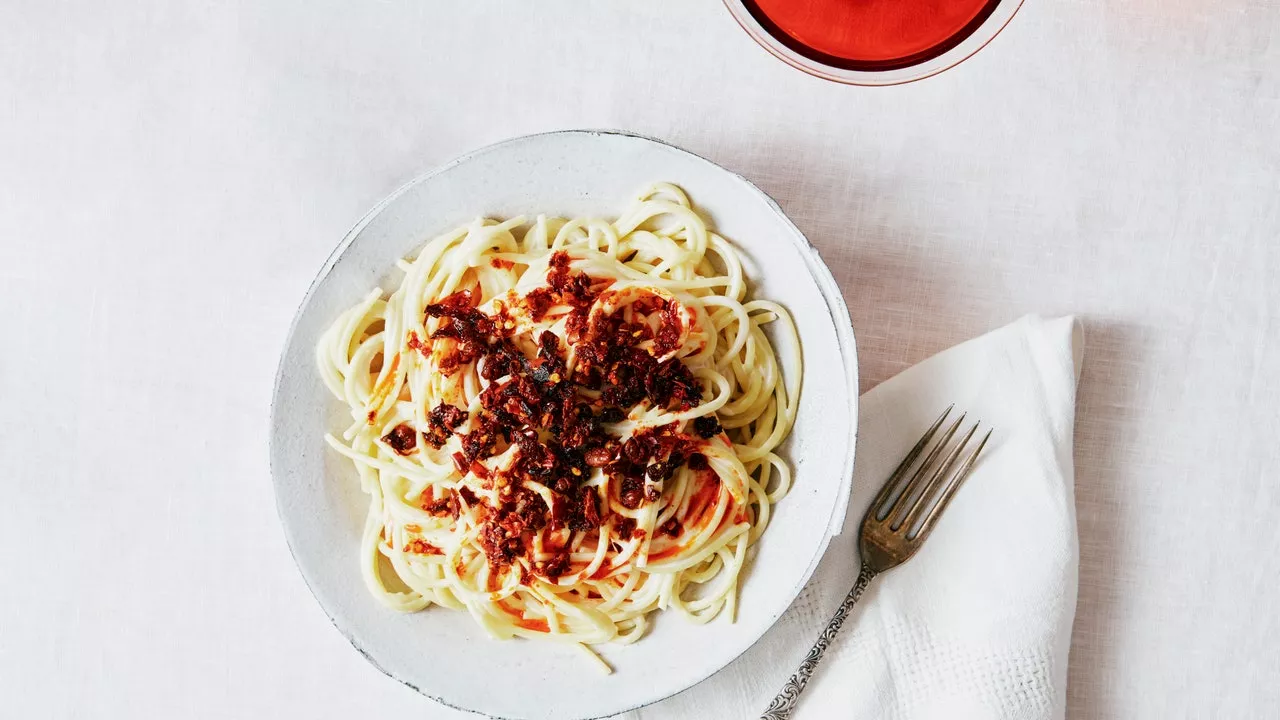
784 703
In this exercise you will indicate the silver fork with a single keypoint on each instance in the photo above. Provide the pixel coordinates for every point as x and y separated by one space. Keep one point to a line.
893 529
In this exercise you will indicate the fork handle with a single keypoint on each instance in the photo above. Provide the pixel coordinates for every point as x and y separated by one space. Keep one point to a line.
784 703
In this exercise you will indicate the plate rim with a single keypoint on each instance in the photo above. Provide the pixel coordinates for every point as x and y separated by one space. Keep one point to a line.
837 310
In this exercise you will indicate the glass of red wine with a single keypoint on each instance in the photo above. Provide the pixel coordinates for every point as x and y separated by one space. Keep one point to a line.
873 42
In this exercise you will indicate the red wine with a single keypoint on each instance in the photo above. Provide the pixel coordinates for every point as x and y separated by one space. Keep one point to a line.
871 35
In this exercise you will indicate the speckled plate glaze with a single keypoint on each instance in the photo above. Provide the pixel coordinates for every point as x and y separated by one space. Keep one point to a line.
442 653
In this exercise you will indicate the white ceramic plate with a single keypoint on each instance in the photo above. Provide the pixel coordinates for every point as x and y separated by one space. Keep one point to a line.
442 653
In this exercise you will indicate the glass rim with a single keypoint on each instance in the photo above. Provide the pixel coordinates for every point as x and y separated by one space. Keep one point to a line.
965 49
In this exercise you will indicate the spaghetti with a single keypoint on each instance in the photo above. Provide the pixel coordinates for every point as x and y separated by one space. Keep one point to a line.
563 432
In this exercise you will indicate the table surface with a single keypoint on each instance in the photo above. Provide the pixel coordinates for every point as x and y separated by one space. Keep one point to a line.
172 174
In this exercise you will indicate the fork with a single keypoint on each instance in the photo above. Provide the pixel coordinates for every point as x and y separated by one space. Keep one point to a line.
893 529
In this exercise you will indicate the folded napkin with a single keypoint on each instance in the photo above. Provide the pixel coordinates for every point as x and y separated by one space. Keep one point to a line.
978 623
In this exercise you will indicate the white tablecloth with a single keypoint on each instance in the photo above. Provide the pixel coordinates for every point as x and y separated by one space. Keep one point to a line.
173 174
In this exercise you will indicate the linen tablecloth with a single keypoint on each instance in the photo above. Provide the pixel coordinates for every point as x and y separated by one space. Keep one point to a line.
172 174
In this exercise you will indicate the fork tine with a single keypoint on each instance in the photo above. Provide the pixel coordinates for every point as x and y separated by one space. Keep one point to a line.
901 505
949 491
887 491
943 471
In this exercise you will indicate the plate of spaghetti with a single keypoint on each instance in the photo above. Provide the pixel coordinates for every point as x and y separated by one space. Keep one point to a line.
564 426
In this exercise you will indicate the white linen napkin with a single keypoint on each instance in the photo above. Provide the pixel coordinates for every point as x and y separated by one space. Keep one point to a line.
978 623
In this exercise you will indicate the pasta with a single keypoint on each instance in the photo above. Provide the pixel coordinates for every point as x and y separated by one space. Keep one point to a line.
565 425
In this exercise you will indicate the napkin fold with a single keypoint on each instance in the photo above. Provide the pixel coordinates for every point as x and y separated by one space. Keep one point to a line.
977 624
